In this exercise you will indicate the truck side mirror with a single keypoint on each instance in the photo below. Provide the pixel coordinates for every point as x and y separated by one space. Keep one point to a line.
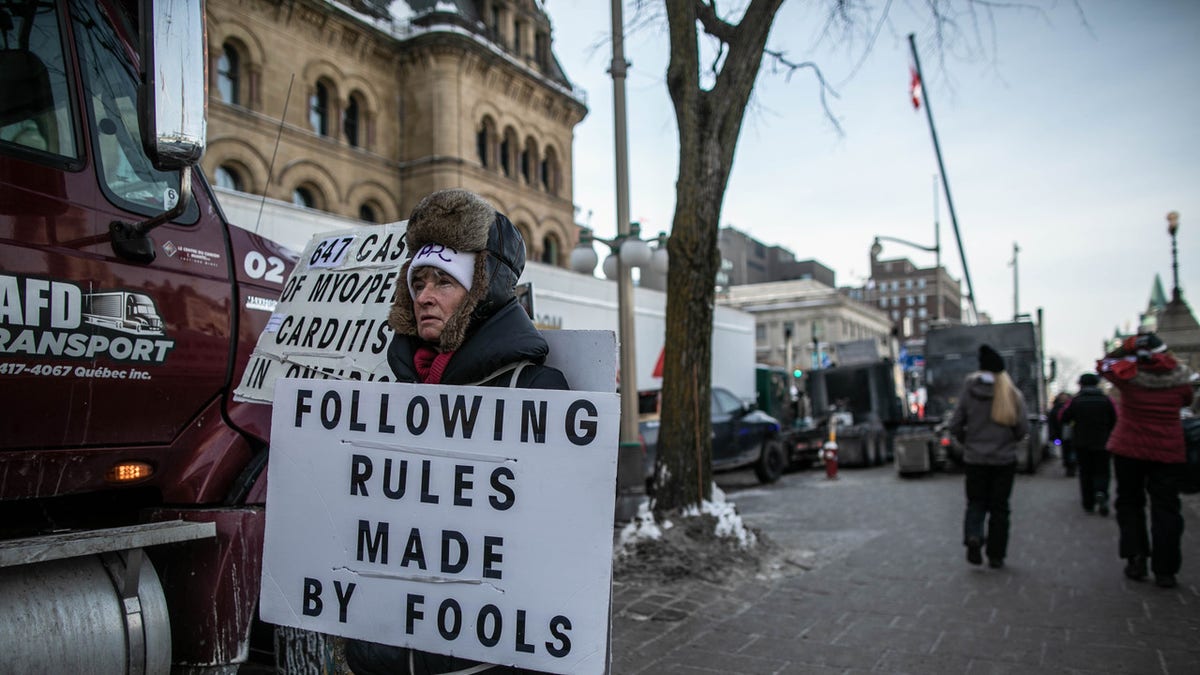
174 91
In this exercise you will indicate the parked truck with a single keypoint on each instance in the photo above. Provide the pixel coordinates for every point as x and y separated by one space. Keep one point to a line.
952 352
131 484
869 402
779 396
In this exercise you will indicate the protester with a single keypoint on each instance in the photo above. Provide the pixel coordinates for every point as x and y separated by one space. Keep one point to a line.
1091 416
1148 453
457 322
1060 435
989 421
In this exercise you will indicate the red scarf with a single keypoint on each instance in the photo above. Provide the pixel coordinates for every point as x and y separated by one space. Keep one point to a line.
430 364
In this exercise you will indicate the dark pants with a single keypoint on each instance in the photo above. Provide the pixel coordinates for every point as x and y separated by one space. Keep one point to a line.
1093 476
988 490
1137 478
1069 458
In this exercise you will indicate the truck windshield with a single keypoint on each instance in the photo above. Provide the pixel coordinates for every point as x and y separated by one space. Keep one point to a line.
126 175
35 108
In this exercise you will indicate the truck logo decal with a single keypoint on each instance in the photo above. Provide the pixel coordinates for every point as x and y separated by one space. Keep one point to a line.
50 317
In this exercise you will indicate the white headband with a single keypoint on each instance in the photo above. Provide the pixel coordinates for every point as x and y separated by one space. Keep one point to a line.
458 264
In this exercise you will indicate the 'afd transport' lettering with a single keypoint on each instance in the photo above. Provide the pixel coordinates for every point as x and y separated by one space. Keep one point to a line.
46 317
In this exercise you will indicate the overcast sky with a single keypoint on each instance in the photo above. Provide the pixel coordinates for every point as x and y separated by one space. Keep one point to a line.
1071 134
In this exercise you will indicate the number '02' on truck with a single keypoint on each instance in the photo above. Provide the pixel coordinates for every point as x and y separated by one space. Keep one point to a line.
131 482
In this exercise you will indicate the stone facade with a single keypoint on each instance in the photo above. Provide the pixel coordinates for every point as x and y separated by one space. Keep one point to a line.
386 102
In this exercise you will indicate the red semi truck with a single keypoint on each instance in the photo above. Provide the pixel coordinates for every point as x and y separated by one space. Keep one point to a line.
131 482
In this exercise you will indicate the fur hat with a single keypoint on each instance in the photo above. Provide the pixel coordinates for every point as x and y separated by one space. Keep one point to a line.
990 359
1089 380
465 222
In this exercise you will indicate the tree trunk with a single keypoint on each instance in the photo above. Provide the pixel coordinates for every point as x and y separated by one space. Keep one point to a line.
709 122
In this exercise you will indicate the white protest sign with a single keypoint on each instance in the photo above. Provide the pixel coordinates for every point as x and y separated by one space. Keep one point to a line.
473 521
331 319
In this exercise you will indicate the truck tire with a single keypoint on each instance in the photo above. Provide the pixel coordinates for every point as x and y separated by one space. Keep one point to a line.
771 462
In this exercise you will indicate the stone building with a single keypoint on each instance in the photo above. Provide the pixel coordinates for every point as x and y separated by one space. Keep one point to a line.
359 108
813 317
913 297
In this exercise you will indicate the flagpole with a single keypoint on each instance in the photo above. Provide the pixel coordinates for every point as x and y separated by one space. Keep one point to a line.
912 43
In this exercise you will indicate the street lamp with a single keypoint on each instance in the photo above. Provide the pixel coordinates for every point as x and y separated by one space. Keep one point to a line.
1172 228
936 249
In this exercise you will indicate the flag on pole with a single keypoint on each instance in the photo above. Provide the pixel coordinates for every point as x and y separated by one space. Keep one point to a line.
915 89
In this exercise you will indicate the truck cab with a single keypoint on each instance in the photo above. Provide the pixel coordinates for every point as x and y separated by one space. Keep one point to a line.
128 311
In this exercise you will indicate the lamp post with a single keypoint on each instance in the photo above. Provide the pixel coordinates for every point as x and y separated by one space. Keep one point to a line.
936 250
1172 228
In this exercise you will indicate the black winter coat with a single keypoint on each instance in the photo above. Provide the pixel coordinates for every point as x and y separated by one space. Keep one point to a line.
1094 416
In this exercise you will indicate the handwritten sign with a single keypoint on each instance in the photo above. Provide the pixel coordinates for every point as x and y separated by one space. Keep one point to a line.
473 521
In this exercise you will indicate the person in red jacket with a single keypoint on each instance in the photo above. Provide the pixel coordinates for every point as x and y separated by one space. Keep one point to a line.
1148 453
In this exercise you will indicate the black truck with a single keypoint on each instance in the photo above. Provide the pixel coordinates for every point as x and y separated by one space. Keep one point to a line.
951 353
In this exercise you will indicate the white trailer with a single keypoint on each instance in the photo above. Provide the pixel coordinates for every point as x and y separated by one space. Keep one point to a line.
573 301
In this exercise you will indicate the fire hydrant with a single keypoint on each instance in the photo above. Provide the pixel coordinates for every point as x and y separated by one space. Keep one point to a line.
829 452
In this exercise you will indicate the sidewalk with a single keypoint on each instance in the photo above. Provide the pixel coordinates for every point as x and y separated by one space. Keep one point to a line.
874 580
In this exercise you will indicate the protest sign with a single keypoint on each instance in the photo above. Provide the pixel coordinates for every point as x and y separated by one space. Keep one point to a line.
331 319
473 521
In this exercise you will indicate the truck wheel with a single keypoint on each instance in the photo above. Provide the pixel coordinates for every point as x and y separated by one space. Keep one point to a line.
771 463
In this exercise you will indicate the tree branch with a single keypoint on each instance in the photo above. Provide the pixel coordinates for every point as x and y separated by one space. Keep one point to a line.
791 67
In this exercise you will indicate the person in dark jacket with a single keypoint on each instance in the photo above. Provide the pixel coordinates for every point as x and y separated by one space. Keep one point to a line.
1148 449
1060 434
1092 416
989 421
458 322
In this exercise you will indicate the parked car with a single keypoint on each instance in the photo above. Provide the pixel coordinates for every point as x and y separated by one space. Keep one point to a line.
742 436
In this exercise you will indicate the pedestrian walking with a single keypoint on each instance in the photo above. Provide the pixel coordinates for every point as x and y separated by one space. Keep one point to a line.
1091 417
1148 453
989 421
458 322
1060 435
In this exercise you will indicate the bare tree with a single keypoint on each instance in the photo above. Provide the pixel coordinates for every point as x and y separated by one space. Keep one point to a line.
710 101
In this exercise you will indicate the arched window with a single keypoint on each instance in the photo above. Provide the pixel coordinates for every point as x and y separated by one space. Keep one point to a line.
506 157
549 174
228 75
550 250
228 177
303 196
529 162
485 143
318 109
350 122
366 213
481 146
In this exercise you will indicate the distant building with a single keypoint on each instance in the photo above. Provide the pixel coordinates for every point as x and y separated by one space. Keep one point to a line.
911 296
753 262
811 318
1174 322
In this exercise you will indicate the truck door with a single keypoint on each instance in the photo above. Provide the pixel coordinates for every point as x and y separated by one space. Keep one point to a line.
96 350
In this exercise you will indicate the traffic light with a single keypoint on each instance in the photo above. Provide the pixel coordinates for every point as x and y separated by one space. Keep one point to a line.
797 373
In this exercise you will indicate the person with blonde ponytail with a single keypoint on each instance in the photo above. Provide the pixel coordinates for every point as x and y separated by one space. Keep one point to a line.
989 421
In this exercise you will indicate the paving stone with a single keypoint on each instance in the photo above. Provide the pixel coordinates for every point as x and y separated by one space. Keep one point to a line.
878 583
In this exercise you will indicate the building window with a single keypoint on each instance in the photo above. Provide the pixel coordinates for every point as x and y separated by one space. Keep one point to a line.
366 213
485 139
760 333
518 28
351 121
922 312
883 302
303 196
318 109
921 282
550 250
228 177
227 75
910 300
